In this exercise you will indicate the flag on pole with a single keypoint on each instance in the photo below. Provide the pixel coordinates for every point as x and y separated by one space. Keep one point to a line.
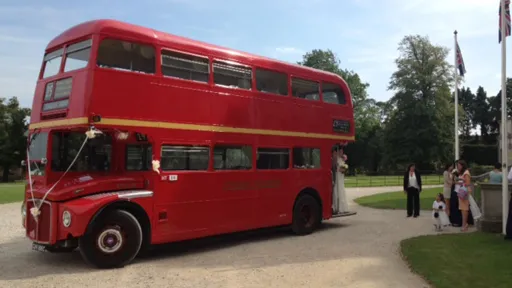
507 20
460 62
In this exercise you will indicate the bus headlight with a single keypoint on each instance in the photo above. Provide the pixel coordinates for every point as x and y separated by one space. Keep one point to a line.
66 218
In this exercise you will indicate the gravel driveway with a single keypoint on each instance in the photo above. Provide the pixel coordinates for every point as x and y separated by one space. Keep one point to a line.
357 251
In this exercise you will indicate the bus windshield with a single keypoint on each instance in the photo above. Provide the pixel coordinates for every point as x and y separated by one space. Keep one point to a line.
37 153
95 156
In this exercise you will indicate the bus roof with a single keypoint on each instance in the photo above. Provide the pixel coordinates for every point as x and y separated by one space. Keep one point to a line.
148 35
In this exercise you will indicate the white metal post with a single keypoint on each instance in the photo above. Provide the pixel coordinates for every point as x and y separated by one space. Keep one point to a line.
456 93
504 130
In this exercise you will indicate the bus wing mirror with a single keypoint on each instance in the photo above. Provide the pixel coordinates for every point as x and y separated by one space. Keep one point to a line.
23 163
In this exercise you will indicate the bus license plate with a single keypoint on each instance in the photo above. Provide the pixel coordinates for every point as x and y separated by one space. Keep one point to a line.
38 247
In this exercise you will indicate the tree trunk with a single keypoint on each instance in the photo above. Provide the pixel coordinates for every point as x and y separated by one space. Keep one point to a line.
5 175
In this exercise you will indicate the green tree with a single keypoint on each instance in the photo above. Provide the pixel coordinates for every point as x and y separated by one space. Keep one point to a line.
481 113
495 108
13 141
466 102
420 125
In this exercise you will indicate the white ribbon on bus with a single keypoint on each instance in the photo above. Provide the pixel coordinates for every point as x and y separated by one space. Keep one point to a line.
35 211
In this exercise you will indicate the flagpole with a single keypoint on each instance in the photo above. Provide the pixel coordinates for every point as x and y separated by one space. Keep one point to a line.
504 132
457 154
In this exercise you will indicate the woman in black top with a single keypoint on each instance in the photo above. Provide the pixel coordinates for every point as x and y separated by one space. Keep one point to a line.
412 187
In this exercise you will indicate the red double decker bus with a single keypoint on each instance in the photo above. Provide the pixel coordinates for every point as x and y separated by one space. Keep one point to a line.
139 137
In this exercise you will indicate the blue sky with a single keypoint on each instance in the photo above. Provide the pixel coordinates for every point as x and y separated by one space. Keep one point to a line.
363 33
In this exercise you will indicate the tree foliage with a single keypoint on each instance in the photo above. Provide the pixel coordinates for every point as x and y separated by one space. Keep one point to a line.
13 141
419 129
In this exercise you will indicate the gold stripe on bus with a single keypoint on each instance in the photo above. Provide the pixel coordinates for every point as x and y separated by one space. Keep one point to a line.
58 123
190 127
222 129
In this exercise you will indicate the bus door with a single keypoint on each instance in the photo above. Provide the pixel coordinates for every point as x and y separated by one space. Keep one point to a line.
184 203
273 184
234 182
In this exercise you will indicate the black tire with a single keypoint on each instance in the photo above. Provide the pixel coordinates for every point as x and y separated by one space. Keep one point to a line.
120 232
306 215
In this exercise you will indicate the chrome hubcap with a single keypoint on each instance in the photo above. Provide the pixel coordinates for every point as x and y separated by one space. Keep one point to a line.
110 241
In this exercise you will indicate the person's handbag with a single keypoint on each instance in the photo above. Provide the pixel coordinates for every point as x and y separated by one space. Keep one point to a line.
473 206
462 192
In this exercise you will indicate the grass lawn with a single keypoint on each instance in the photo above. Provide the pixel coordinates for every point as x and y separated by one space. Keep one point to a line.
11 193
460 260
398 200
379 181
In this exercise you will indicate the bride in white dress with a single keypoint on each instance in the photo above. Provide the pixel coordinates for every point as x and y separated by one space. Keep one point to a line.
339 199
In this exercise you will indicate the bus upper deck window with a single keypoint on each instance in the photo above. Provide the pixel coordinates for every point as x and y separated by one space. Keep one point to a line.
52 62
77 55
127 56
232 75
268 81
305 89
332 93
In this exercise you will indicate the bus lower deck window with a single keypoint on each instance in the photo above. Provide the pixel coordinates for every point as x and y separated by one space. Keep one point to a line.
273 158
306 158
184 157
232 157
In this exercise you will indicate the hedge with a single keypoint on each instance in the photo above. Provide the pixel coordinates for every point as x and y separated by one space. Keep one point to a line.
480 154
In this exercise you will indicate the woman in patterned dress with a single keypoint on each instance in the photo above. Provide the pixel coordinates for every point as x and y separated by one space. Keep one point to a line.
464 190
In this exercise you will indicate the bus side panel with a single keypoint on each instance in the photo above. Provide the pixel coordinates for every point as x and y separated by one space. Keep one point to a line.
237 199
274 187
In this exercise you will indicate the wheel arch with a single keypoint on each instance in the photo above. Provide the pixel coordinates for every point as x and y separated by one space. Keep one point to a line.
311 192
131 207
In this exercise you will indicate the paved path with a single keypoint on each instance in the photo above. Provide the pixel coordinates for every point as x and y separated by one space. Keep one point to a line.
357 251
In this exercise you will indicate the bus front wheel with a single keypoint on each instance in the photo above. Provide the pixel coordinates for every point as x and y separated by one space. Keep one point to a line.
306 215
113 241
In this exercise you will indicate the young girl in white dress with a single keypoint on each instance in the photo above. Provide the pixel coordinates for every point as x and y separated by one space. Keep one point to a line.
439 213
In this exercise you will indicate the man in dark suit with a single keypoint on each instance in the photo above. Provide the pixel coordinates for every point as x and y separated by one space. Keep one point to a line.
412 187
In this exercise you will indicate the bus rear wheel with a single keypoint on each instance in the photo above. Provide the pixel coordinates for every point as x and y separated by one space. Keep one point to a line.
306 215
113 241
